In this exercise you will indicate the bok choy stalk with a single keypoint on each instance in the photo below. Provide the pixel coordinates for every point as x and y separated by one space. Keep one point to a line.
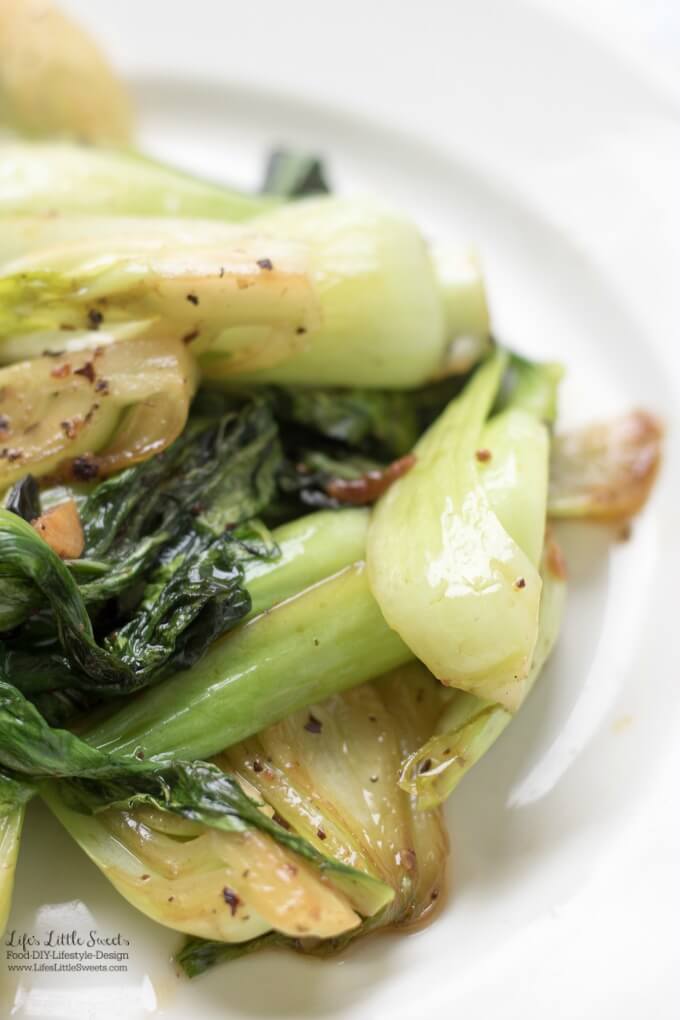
329 772
379 288
338 289
10 839
66 178
325 639
329 776
91 780
334 782
469 726
54 80
122 403
453 559
248 297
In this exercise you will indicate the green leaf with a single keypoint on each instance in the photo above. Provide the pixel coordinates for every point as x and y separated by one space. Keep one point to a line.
292 174
199 955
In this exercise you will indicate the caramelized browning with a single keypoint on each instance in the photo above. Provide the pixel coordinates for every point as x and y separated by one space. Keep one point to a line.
606 471
369 488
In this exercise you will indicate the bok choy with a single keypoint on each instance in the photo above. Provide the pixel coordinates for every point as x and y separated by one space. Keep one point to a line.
60 177
54 80
92 412
332 291
451 569
245 713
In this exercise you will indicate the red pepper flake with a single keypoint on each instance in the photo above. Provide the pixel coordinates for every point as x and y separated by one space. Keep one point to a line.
189 338
145 878
61 371
321 834
139 753
257 765
87 371
192 299
520 583
265 264
434 895
483 456
313 725
276 817
94 318
231 899
368 488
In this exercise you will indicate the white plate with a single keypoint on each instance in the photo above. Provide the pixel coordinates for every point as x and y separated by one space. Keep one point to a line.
489 120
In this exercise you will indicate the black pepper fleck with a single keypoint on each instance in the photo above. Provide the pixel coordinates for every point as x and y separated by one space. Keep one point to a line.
85 468
87 371
265 264
95 318
192 299
313 725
